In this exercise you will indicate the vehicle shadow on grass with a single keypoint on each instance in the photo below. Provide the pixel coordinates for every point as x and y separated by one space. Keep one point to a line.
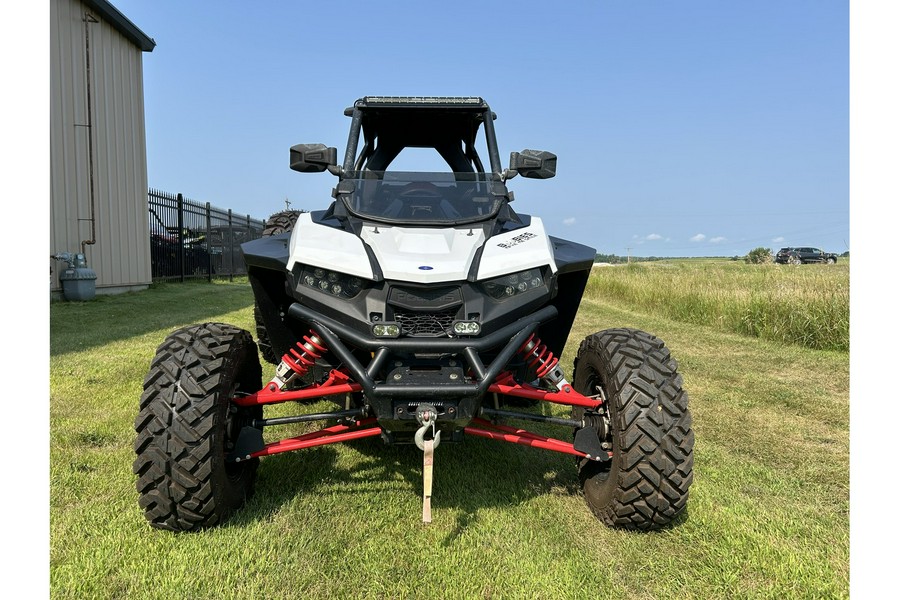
77 326
470 477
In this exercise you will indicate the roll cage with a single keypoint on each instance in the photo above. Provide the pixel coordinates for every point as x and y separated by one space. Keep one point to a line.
450 126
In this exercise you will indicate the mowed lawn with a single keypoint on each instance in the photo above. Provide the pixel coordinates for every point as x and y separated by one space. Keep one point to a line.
767 515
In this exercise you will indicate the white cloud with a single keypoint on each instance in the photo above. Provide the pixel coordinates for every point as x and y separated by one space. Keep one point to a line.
569 221
717 239
778 239
698 238
654 236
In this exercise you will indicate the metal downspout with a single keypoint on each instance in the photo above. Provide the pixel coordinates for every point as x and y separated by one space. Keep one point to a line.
88 19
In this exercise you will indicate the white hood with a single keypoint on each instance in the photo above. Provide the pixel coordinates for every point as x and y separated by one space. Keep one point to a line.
423 255
418 254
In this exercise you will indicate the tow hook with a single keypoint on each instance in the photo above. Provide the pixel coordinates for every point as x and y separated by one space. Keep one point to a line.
426 415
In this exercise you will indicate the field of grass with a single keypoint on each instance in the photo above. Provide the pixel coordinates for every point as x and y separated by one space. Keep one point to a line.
808 305
767 515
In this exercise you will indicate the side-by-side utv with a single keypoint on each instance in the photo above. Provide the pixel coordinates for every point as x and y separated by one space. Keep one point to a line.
430 312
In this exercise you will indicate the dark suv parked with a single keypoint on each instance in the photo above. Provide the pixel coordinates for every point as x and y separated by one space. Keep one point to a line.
802 256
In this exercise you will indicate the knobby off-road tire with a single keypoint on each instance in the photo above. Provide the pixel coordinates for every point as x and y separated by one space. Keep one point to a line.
187 425
645 484
281 222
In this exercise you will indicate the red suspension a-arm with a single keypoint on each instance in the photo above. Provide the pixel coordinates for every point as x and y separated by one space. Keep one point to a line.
329 435
505 384
336 384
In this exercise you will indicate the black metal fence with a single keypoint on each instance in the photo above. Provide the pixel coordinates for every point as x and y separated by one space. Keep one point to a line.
191 240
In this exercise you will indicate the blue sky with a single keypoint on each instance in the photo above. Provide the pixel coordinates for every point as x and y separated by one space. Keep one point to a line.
692 128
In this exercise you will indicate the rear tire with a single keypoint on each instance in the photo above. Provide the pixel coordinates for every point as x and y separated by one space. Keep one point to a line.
281 222
645 484
187 425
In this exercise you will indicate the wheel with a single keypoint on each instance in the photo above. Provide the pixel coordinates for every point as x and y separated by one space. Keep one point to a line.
281 222
831 260
187 425
795 260
646 425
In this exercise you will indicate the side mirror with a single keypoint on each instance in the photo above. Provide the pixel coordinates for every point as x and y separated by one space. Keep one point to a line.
535 164
312 158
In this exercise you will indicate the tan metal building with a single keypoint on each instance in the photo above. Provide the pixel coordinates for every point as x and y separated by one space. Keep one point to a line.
98 152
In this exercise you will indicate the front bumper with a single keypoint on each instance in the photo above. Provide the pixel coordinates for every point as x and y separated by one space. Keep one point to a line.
453 376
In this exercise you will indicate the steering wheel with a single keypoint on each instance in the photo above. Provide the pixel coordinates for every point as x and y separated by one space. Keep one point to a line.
420 189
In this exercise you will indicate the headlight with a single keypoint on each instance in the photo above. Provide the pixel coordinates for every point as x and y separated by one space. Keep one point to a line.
331 282
507 286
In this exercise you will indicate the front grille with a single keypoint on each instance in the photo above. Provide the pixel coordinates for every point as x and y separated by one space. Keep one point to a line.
425 324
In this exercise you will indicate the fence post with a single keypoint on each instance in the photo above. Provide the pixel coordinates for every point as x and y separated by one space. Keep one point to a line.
230 247
180 202
208 244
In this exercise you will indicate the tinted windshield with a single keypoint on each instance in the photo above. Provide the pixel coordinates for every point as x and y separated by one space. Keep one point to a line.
421 198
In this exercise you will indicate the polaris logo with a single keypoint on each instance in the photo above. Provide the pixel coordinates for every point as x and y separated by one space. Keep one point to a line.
523 237
424 298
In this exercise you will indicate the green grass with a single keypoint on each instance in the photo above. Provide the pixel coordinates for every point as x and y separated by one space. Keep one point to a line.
767 515
807 305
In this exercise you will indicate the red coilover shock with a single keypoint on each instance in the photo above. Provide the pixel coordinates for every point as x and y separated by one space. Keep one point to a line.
312 350
538 357
297 362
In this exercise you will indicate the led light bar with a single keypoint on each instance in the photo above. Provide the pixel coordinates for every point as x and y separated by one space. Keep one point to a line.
475 101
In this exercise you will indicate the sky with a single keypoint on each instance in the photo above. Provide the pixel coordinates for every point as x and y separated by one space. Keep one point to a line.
694 128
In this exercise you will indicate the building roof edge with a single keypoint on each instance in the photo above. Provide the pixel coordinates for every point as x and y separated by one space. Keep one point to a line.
122 24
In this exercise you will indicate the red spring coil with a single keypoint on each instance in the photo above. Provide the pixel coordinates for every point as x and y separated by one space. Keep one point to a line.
538 356
306 354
